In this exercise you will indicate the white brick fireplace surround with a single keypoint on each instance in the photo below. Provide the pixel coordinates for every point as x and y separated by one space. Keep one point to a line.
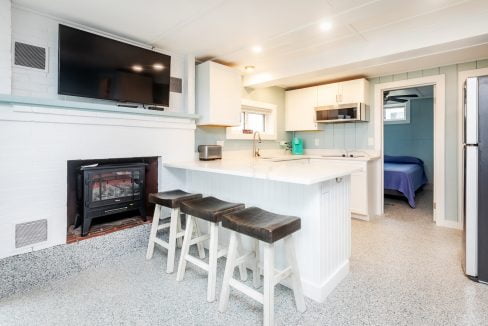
37 141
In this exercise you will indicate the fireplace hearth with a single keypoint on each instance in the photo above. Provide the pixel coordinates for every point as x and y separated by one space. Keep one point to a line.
109 189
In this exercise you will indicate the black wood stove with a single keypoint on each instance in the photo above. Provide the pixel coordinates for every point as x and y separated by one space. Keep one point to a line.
109 189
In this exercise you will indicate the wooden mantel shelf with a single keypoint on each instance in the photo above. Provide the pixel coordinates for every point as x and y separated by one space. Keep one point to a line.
62 104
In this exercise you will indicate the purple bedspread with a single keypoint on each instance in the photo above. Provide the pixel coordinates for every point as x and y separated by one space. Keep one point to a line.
404 174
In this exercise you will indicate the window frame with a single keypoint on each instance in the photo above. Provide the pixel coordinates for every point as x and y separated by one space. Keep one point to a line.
270 123
406 105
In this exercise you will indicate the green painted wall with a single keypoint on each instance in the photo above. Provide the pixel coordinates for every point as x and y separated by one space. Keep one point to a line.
415 138
451 126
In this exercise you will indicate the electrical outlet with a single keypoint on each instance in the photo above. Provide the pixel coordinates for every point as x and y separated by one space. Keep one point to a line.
317 142
370 141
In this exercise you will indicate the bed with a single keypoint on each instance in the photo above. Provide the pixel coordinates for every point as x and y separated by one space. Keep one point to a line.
404 175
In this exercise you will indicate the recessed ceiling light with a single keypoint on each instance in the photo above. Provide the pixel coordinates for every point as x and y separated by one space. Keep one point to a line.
137 68
326 26
249 68
257 49
158 66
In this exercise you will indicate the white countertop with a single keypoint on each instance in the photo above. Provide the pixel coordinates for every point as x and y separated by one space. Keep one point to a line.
306 170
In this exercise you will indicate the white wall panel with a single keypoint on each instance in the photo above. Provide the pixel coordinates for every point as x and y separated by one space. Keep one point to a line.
323 243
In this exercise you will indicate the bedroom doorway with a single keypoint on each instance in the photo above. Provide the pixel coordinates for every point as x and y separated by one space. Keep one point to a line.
439 136
408 142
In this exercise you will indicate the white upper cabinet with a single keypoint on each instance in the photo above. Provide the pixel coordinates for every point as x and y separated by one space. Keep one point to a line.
351 91
301 103
299 109
218 95
327 94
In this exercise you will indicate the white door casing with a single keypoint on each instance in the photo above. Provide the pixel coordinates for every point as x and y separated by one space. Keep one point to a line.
438 81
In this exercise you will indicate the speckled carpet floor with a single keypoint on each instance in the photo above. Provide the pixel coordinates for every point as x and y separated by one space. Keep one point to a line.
404 271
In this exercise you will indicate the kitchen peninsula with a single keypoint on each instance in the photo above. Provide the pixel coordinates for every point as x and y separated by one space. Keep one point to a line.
316 190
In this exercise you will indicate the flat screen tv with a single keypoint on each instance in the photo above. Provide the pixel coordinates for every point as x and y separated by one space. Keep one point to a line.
94 66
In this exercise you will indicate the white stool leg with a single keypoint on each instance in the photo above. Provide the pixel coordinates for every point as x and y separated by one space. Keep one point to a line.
268 291
173 230
256 278
154 231
179 241
229 271
201 250
295 277
212 261
242 267
185 248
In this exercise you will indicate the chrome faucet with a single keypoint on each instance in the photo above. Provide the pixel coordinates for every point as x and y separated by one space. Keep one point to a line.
255 147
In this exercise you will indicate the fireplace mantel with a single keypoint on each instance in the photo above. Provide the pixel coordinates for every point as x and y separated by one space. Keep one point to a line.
88 106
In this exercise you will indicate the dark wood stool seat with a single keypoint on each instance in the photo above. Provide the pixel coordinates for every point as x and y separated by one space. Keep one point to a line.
209 208
172 198
260 224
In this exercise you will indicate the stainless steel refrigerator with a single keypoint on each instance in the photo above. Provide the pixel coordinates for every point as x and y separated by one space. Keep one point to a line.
475 154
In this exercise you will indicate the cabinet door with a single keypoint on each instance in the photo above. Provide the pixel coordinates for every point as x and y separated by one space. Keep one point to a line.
327 94
359 195
352 91
225 95
300 109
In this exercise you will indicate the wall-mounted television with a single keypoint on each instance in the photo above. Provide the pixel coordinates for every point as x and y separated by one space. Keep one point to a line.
97 67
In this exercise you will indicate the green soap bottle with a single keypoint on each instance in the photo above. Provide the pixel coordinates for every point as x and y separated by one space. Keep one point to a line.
297 146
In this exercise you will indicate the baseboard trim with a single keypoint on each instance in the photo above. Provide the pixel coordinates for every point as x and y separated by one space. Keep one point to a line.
449 224
320 292
360 216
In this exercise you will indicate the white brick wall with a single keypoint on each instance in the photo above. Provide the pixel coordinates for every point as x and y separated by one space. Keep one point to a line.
36 143
5 47
40 30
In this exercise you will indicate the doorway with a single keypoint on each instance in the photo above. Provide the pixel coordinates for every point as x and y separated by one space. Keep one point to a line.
438 193
408 142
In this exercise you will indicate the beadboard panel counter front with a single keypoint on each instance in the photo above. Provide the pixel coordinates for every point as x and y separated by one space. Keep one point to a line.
323 244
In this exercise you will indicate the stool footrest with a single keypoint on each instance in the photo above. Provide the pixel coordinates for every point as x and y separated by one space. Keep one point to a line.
199 239
258 296
250 255
163 226
162 243
221 253
195 261
283 274
181 234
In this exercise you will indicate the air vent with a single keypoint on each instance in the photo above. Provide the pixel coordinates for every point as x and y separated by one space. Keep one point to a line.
30 56
30 233
175 85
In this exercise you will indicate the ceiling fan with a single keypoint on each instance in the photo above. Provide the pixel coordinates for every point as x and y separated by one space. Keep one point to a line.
397 98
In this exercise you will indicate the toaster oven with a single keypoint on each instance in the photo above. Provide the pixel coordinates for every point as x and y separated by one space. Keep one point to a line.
209 152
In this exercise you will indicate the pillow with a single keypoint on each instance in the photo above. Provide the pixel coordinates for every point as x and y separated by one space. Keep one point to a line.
403 159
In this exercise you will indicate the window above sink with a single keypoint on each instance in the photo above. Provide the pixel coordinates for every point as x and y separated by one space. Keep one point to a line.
255 116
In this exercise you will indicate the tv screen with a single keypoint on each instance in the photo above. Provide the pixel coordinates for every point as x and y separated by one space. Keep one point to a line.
98 67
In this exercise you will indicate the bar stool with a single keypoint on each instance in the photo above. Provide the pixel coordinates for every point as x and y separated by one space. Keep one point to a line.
171 199
268 228
210 209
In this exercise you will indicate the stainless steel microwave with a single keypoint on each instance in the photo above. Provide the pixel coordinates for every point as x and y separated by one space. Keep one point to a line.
351 112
